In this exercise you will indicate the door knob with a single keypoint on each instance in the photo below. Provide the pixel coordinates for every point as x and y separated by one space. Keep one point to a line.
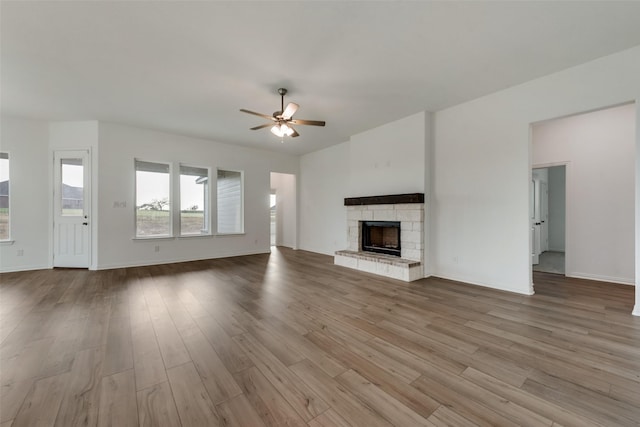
85 223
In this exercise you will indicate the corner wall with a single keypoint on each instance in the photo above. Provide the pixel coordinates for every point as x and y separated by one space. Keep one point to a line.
483 168
323 186
27 142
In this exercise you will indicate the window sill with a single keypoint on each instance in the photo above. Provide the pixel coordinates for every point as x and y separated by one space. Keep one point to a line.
7 242
142 239
229 234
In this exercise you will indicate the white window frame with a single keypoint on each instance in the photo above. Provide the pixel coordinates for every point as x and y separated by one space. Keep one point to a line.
170 235
242 218
207 202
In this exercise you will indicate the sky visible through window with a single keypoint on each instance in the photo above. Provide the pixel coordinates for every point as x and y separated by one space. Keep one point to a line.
152 185
4 170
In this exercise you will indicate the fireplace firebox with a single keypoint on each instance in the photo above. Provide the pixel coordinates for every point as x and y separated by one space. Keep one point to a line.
381 237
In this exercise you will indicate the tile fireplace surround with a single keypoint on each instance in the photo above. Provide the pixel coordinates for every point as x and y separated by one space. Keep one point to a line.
408 209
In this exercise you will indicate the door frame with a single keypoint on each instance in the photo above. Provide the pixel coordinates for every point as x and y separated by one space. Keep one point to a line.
88 202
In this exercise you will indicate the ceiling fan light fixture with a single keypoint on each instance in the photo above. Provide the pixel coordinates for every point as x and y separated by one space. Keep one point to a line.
279 121
281 130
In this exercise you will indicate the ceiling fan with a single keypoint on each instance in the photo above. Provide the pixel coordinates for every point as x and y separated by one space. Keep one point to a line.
282 119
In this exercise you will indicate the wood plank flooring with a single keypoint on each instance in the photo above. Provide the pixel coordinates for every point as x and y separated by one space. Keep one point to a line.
289 339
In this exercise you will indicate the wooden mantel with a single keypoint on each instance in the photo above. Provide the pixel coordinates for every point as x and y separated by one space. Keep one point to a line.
391 199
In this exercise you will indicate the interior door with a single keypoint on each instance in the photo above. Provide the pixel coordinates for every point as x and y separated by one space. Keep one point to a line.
535 241
544 216
72 203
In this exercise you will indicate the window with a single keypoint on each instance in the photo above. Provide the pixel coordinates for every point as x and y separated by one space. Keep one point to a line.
4 196
72 191
230 210
153 199
194 200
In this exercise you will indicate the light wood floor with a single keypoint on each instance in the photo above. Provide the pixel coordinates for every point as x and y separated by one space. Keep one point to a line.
289 339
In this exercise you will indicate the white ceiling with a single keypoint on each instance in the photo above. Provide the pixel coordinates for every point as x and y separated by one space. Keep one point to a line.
187 67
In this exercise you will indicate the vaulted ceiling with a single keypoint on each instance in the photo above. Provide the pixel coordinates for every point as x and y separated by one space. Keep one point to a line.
188 67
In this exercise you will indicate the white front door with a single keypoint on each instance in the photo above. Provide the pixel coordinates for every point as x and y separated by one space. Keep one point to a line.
72 209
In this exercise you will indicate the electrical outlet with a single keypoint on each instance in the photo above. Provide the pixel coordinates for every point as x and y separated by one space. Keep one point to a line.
156 248
20 252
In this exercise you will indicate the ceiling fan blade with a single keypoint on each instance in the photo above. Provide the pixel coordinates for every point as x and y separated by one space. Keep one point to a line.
295 133
307 122
290 110
266 125
257 114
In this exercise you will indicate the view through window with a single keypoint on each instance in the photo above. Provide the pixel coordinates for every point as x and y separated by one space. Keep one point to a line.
230 215
194 200
153 203
4 196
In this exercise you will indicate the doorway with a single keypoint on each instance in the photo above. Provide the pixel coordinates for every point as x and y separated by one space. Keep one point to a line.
72 209
273 213
283 213
549 217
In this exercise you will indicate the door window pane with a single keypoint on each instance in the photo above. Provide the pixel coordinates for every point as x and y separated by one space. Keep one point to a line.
230 214
194 200
153 203
4 196
72 191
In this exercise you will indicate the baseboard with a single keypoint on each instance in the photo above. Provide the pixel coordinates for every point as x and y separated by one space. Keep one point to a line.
25 268
610 279
175 261
636 310
484 285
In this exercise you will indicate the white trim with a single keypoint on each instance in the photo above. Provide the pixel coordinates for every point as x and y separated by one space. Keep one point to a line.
595 277
636 310
7 242
26 268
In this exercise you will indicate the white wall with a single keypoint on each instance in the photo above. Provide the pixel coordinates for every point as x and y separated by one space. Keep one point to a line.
599 148
388 159
284 186
324 176
27 142
483 167
120 144
557 208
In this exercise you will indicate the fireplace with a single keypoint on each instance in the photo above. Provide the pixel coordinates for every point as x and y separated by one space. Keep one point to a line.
381 237
375 225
